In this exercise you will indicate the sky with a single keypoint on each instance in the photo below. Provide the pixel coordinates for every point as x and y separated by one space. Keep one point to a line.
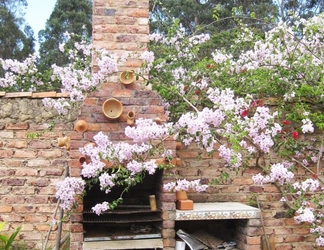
37 12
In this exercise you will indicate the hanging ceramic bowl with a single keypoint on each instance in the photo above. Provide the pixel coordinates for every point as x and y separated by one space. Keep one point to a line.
112 108
82 159
127 77
181 195
130 118
81 126
64 141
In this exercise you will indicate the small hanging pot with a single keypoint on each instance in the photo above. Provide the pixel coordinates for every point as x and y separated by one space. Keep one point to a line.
81 126
64 141
157 120
90 143
130 118
178 145
112 108
127 77
108 164
82 159
181 195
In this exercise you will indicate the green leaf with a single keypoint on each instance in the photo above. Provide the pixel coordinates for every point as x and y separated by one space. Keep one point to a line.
12 238
4 238
2 225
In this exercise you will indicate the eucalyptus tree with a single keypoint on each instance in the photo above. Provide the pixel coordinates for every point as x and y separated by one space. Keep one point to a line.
302 8
16 36
222 19
212 15
68 17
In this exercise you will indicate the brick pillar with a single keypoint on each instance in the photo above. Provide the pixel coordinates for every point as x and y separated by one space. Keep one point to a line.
248 234
122 27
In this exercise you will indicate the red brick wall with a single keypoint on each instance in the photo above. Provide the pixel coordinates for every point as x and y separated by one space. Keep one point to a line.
121 27
30 168
287 234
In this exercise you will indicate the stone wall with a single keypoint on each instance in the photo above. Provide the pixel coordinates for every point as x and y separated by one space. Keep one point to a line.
30 168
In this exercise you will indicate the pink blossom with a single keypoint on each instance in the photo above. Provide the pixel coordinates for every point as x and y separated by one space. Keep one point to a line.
307 126
305 214
67 190
150 166
146 130
100 208
148 58
278 173
106 182
320 241
307 185
134 167
231 158
185 185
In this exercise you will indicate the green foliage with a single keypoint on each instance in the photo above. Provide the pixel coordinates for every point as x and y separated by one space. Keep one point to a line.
252 200
72 16
290 213
7 241
222 179
26 75
212 16
223 19
16 37
300 79
34 135
304 9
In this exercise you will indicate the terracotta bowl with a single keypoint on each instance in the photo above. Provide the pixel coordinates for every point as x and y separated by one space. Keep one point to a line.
64 141
127 77
112 108
81 126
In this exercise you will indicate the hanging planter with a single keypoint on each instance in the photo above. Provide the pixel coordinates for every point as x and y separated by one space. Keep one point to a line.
127 77
181 195
130 118
183 203
81 126
82 159
64 141
157 120
90 143
112 108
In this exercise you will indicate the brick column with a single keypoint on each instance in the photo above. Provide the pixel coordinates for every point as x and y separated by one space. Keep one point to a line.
122 27
248 234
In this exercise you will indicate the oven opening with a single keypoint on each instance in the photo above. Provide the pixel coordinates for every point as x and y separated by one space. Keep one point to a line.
133 219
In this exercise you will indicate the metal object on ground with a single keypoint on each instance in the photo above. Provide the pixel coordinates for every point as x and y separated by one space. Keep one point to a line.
191 241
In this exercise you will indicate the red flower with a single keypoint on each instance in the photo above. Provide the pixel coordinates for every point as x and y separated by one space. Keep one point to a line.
295 135
314 176
285 122
198 91
259 102
244 112
208 66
